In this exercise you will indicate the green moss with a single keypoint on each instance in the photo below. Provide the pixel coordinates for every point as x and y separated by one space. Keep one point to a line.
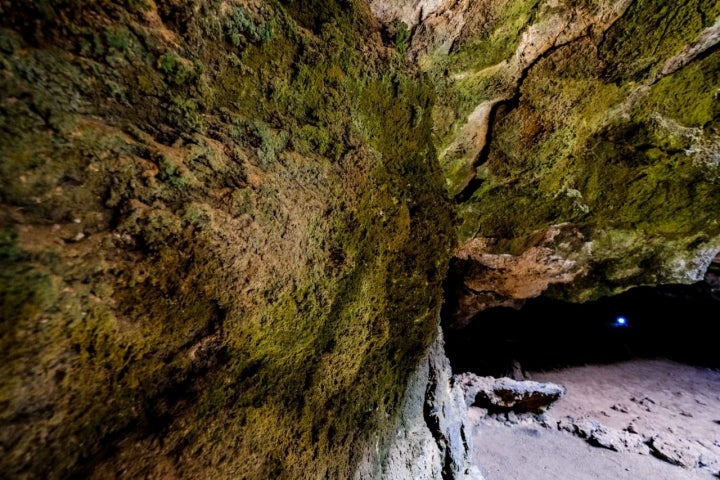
652 31
664 193
574 150
240 26
473 72
318 14
688 96
9 41
117 38
261 255
496 40
401 36
24 290
176 69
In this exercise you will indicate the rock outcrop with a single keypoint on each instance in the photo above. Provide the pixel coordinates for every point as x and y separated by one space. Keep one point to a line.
433 439
224 226
670 448
481 276
223 233
505 394
575 116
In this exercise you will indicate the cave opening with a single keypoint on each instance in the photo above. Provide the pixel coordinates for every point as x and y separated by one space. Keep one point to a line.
674 322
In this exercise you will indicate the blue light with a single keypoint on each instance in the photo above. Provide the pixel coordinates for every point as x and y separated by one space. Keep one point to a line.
621 321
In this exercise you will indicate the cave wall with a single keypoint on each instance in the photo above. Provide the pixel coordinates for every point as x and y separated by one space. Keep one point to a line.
216 259
579 140
224 225
433 438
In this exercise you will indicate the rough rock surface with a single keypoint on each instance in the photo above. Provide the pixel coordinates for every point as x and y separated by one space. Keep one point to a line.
505 394
668 447
601 436
410 12
657 408
681 452
575 114
223 233
432 439
223 225
483 277
648 412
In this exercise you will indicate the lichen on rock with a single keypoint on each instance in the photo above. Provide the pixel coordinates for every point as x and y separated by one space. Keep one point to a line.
224 226
217 258
597 115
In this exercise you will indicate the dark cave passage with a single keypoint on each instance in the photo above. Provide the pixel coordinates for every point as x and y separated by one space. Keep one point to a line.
677 322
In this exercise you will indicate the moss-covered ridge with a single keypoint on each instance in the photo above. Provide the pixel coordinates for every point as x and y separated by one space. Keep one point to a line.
602 133
223 237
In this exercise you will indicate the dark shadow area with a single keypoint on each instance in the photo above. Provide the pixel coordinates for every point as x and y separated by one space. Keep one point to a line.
677 322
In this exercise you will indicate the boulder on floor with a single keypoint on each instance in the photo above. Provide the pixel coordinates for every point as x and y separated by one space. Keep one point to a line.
506 394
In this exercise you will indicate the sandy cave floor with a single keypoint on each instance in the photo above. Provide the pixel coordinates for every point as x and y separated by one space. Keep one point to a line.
677 404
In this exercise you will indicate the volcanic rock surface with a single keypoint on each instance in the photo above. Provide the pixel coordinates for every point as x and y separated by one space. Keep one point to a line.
225 226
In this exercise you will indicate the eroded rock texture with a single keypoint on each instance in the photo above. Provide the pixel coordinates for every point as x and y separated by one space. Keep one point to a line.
595 118
433 439
223 225
216 259
505 394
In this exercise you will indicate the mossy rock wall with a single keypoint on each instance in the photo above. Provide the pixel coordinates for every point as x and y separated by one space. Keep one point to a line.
222 236
604 116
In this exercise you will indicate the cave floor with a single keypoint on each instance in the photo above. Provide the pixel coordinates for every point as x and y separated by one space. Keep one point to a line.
672 406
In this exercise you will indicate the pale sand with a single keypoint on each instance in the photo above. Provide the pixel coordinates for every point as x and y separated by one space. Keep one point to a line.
678 401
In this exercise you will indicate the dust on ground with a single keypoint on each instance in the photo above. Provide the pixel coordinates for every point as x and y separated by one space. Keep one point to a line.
676 405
